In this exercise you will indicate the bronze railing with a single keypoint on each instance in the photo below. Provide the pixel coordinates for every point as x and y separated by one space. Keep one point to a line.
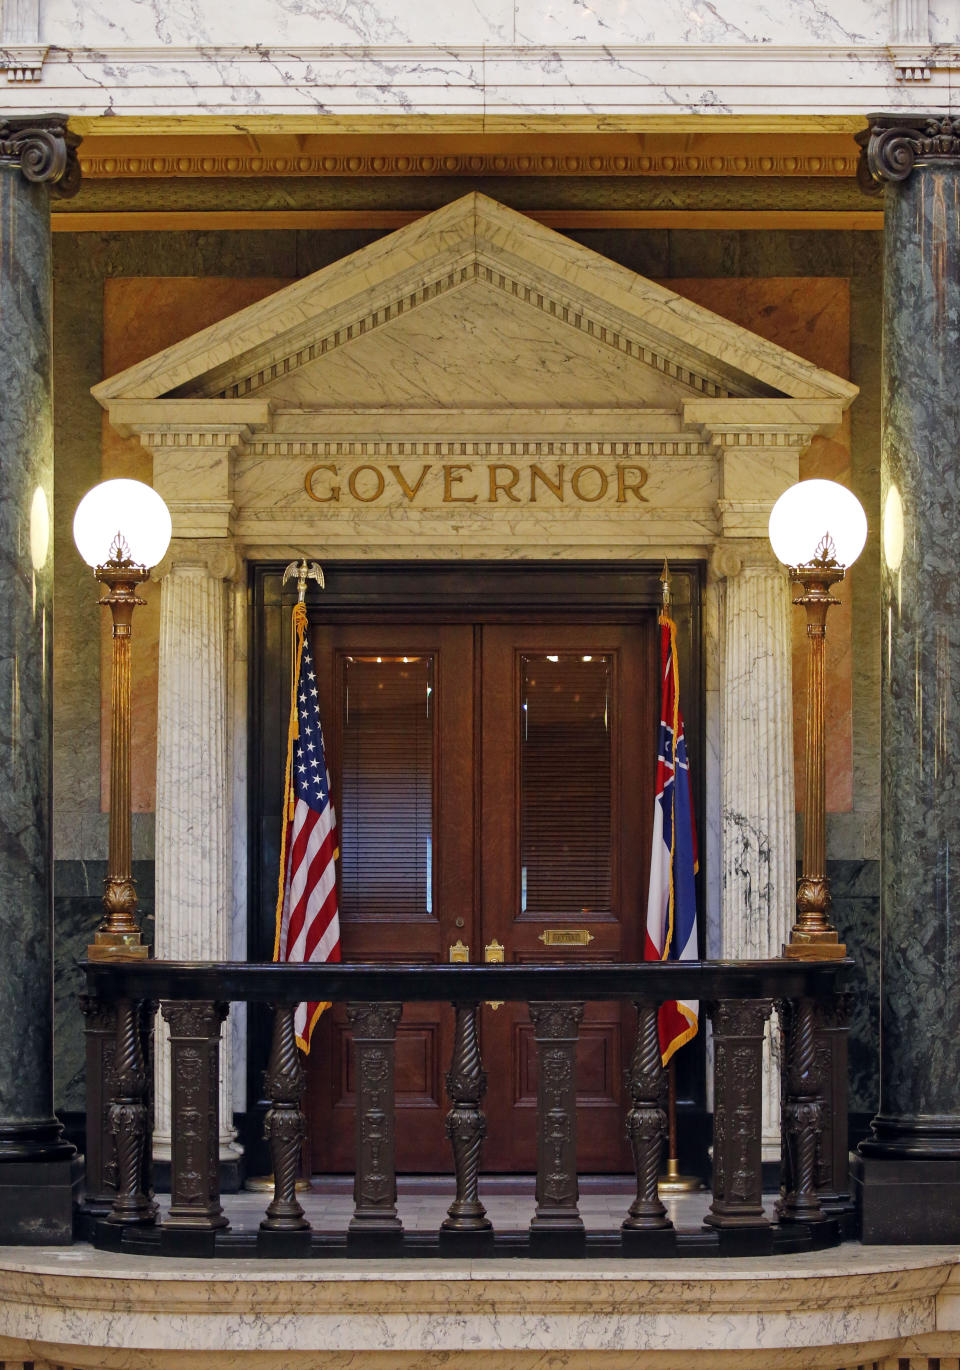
738 998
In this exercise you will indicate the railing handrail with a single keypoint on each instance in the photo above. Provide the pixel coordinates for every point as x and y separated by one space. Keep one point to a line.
267 982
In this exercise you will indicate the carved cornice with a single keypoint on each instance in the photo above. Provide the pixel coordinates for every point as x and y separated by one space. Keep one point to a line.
23 62
43 149
380 164
895 143
378 449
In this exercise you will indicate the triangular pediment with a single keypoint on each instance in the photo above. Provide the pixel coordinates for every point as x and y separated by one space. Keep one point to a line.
472 306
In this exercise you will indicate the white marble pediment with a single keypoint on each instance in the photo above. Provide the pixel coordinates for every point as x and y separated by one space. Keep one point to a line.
531 316
479 382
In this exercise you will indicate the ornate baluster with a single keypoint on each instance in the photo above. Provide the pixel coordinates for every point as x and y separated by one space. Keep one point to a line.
466 1126
833 1185
802 1113
646 1122
101 1159
128 1121
375 1184
555 1030
195 1075
738 1032
284 1126
148 1014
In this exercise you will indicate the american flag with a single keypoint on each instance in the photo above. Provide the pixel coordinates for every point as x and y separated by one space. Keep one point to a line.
308 925
672 899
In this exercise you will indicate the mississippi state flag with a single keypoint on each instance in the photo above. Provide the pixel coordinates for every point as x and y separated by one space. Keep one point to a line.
308 924
672 902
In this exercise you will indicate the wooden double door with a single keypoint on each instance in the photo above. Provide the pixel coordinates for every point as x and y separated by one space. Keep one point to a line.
494 790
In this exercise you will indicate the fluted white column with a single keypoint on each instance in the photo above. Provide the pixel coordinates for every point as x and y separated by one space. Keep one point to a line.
193 877
758 813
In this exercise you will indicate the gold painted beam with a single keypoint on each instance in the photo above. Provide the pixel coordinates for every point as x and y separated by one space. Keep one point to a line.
570 219
105 154
258 125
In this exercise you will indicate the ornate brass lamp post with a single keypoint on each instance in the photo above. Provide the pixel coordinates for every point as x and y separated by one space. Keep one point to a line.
817 529
121 528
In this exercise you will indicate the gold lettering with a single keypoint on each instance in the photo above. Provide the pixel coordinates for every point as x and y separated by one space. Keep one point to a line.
575 482
334 494
409 490
450 474
352 484
507 486
555 487
635 486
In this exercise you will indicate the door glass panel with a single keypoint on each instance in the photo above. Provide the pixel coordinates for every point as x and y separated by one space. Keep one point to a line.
386 819
565 781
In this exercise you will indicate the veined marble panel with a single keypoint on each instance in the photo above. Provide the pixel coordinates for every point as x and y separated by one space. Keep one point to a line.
701 21
802 1312
526 83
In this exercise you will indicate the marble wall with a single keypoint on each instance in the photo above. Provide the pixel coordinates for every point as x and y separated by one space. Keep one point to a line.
107 309
500 23
511 58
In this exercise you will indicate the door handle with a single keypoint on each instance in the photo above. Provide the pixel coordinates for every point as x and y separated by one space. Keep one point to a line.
493 954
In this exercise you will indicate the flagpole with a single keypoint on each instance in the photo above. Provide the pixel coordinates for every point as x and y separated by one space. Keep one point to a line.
303 571
673 1182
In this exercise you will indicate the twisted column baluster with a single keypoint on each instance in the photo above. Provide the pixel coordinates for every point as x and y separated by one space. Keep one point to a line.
128 1121
284 1126
646 1121
803 1114
465 1125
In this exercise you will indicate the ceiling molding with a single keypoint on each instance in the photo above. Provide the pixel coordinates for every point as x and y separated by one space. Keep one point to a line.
138 156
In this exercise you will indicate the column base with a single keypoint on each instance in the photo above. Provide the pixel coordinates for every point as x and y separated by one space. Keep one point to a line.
907 1200
38 1201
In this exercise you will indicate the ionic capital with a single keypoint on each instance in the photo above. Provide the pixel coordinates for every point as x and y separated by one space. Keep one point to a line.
215 558
893 144
730 557
43 149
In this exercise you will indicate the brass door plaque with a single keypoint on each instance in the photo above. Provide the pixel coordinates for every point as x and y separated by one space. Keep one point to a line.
565 937
459 953
493 953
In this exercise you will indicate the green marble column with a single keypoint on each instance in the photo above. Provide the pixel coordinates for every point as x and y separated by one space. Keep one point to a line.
37 1166
909 1170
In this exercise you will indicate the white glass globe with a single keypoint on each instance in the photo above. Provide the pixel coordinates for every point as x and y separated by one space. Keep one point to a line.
810 511
127 508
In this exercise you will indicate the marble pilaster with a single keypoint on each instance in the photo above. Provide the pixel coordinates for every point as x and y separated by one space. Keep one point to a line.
193 861
911 1191
757 787
35 1160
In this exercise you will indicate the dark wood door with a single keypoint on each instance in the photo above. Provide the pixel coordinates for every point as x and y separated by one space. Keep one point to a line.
494 783
566 814
397 704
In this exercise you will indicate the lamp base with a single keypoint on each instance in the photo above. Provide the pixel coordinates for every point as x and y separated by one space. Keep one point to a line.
117 946
824 948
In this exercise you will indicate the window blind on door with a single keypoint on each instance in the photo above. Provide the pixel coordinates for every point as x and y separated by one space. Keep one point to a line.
386 820
565 784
